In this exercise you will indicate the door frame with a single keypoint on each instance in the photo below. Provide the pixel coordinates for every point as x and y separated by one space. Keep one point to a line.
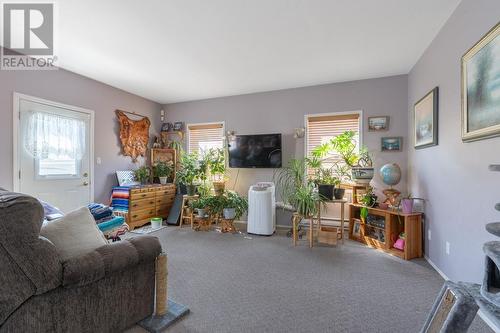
17 97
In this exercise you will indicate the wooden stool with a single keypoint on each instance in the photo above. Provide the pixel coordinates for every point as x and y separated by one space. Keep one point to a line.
185 214
227 225
202 223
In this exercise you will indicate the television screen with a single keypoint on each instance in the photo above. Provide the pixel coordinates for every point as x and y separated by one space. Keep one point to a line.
255 151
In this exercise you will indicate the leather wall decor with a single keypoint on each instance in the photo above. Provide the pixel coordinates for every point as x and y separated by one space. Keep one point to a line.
134 135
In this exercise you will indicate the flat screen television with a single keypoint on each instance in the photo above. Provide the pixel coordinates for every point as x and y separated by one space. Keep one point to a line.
255 151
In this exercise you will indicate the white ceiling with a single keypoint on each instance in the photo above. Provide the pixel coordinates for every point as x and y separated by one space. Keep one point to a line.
179 50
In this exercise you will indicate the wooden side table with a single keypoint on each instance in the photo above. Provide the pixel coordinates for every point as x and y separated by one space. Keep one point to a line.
227 225
342 203
185 215
202 223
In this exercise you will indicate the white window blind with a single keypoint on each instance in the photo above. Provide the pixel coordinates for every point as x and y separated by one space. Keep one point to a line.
202 137
320 129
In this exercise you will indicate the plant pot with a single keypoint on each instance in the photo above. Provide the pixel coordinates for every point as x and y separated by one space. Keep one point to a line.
407 206
229 213
219 187
191 190
163 180
362 175
156 222
326 191
338 193
200 212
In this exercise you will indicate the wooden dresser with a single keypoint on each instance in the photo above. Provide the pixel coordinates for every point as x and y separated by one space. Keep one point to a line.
149 201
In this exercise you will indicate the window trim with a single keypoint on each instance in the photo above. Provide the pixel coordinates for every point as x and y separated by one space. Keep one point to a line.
204 124
341 113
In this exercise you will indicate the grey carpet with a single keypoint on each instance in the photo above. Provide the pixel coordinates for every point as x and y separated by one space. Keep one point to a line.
264 284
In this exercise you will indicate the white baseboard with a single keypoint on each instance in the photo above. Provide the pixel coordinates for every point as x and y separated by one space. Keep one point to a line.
480 313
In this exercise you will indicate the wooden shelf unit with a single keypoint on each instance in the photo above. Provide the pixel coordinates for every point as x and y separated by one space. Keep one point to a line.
384 238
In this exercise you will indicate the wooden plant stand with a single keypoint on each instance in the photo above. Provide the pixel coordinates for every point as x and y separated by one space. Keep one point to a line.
384 235
227 225
202 223
186 211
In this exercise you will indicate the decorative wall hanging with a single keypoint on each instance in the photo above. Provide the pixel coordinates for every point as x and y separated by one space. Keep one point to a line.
394 143
425 122
480 88
134 135
379 123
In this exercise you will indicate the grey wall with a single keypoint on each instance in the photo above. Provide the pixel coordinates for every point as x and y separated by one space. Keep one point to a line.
69 88
453 176
282 111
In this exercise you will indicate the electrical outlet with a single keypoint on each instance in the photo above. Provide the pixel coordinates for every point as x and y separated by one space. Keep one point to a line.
447 247
429 234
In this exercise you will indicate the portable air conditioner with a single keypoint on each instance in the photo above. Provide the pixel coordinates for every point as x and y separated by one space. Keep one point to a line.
261 209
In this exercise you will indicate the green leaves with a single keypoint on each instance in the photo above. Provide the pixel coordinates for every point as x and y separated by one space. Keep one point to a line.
163 169
305 199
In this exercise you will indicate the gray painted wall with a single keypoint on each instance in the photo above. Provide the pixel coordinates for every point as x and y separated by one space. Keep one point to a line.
282 111
453 176
69 88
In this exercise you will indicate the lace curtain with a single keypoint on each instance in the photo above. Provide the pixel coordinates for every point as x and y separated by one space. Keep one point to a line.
50 136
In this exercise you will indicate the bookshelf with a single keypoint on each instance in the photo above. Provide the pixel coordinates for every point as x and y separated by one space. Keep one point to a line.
382 227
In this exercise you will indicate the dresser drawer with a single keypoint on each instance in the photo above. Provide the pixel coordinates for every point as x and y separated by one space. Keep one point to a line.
163 212
166 200
166 191
140 204
141 195
142 214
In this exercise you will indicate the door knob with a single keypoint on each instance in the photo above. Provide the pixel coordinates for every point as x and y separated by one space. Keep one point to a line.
85 183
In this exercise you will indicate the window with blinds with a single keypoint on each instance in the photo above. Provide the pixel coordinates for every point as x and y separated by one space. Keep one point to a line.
320 129
202 137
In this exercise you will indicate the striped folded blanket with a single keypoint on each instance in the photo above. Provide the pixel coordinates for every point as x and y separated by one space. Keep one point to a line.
111 224
100 211
120 197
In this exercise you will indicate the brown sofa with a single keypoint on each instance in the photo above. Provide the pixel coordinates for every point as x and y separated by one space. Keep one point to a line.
106 290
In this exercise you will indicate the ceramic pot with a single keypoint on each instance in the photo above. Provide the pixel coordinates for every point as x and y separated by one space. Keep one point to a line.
362 175
407 206
338 193
191 190
229 213
163 180
201 212
326 191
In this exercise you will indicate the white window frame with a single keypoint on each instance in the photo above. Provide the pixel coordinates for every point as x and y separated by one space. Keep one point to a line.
188 145
342 113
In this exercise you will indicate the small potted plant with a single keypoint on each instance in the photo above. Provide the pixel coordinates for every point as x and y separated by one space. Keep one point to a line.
200 206
338 193
142 175
326 183
368 199
407 204
215 204
217 169
163 170
234 205
189 172
305 200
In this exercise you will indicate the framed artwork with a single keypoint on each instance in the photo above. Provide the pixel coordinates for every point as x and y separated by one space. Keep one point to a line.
425 122
393 143
166 127
162 155
178 126
480 88
356 229
378 124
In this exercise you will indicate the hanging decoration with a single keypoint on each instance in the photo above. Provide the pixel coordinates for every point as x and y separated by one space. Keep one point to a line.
134 135
51 136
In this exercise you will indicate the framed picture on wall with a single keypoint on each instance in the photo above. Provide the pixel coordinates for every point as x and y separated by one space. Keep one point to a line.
393 143
378 124
425 112
480 88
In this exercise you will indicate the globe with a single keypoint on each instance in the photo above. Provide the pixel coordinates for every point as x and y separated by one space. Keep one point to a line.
391 174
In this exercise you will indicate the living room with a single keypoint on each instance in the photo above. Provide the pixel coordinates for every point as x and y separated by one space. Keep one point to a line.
246 166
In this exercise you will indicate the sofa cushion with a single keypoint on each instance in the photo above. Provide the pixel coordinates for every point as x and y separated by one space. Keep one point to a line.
74 234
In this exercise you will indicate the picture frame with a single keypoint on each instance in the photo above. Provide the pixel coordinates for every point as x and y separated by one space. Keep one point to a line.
178 126
425 120
480 70
166 127
162 155
391 144
378 123
356 229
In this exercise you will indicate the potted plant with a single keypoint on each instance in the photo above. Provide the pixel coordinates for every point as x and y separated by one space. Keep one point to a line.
200 206
189 172
305 200
217 169
289 178
326 183
234 205
368 199
215 204
407 204
163 170
142 175
338 193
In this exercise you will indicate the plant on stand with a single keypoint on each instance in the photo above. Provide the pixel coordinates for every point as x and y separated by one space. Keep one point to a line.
189 172
163 170
142 175
200 206
217 169
234 205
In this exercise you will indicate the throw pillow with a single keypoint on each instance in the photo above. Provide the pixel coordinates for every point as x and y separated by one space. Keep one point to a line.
74 234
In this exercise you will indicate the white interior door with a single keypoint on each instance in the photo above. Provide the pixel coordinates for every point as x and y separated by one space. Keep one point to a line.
54 152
